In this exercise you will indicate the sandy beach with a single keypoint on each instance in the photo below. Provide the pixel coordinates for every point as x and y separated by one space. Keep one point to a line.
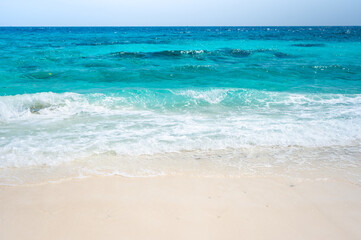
182 207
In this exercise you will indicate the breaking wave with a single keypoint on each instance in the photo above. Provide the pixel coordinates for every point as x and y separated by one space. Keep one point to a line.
50 128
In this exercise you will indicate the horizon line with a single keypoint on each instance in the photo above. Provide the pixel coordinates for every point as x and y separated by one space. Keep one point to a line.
182 26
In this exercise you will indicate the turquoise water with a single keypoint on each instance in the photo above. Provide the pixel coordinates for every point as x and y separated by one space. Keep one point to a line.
74 93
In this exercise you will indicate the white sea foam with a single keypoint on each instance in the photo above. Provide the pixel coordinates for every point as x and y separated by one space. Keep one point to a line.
48 129
212 96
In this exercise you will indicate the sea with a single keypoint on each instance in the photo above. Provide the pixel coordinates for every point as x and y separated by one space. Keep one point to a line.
150 101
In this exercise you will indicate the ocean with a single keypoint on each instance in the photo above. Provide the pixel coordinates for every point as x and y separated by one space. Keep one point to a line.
147 101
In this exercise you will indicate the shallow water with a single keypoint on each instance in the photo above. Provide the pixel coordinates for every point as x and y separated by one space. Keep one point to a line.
70 95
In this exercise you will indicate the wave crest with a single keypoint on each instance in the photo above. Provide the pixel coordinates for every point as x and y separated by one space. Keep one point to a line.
169 100
200 54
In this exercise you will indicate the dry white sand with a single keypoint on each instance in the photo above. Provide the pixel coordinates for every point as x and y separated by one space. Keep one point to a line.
181 207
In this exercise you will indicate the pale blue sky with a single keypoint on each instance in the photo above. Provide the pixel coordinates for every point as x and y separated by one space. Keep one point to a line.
179 12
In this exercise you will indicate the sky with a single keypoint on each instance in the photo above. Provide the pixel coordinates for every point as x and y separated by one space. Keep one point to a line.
179 12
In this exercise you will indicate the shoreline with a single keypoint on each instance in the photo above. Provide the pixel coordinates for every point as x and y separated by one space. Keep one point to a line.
293 162
181 207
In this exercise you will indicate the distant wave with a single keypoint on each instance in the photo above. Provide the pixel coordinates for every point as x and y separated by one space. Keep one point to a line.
309 45
200 54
